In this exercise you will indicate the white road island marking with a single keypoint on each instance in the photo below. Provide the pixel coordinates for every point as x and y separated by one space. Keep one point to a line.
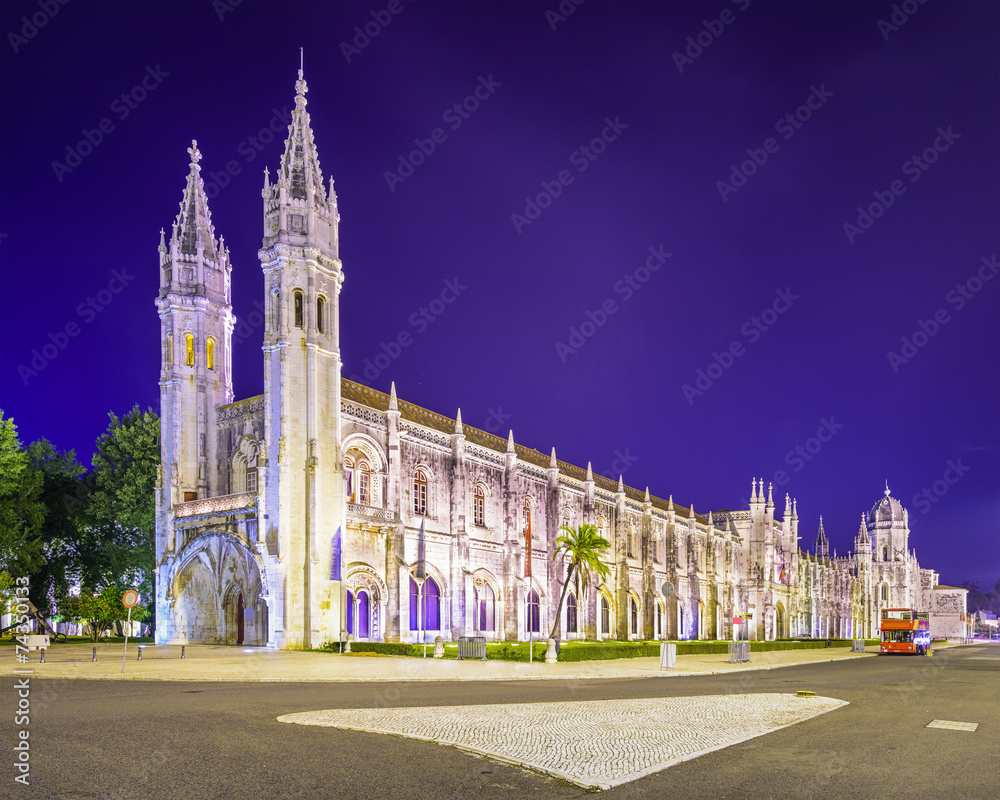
594 744
948 725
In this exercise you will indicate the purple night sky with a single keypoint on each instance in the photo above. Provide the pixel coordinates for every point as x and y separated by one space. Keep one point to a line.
782 312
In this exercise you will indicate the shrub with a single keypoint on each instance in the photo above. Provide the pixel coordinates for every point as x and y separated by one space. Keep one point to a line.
385 648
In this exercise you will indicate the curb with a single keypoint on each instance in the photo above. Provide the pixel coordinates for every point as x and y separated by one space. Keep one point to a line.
625 675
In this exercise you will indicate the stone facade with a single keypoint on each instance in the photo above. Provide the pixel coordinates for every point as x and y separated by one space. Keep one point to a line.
324 507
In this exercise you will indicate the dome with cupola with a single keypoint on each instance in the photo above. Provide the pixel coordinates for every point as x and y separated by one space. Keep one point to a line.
887 512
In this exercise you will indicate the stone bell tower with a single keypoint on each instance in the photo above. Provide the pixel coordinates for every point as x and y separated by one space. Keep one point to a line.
304 481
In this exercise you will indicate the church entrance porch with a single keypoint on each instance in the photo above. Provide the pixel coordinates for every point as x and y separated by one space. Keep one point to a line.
215 593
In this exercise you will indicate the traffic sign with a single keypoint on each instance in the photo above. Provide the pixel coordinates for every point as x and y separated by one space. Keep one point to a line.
130 598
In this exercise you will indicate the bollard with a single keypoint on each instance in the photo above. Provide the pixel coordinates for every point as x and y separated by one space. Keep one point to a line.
438 647
95 655
43 656
551 654
182 651
139 648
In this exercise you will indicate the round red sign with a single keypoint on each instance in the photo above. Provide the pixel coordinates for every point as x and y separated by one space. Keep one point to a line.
130 598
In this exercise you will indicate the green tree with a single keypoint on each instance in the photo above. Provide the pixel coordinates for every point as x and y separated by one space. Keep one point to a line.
100 610
585 547
122 506
64 532
21 510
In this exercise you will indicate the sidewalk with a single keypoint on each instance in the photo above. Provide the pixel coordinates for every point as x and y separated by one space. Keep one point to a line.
230 663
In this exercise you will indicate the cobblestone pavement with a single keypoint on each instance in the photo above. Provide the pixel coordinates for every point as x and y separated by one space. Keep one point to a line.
595 744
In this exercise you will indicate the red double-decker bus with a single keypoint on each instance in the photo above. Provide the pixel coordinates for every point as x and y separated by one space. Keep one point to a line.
905 631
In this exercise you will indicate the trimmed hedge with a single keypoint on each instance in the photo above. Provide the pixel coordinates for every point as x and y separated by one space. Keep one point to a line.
591 651
385 648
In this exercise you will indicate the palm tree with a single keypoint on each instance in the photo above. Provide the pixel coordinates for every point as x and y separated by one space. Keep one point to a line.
584 546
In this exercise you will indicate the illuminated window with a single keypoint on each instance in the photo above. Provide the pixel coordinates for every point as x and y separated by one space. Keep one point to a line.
349 475
628 542
320 308
420 492
189 349
484 602
170 348
210 353
298 309
479 506
532 617
364 483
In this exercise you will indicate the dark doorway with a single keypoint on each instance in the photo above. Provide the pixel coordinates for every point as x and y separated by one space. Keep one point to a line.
239 619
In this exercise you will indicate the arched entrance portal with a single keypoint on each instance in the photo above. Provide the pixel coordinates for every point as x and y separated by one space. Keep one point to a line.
216 593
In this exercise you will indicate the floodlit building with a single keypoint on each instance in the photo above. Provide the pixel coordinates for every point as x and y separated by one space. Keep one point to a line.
324 507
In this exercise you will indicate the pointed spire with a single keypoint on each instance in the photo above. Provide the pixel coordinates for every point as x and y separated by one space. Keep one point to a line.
647 500
753 492
393 404
193 226
621 484
770 499
163 243
795 508
300 172
822 543
590 472
691 514
552 459
887 487
670 503
711 522
788 505
458 422
510 441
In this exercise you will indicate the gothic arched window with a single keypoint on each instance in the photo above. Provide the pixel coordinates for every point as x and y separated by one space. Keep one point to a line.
420 492
479 506
320 309
364 483
425 606
485 604
633 615
532 617
189 349
885 592
210 353
605 616
885 552
571 613
298 308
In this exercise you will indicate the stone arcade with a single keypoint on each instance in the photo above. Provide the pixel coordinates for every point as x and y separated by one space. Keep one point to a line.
294 518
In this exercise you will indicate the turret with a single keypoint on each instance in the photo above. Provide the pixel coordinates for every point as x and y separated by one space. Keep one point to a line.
196 325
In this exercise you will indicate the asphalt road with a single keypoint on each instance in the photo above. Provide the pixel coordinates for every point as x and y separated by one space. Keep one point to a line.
101 739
